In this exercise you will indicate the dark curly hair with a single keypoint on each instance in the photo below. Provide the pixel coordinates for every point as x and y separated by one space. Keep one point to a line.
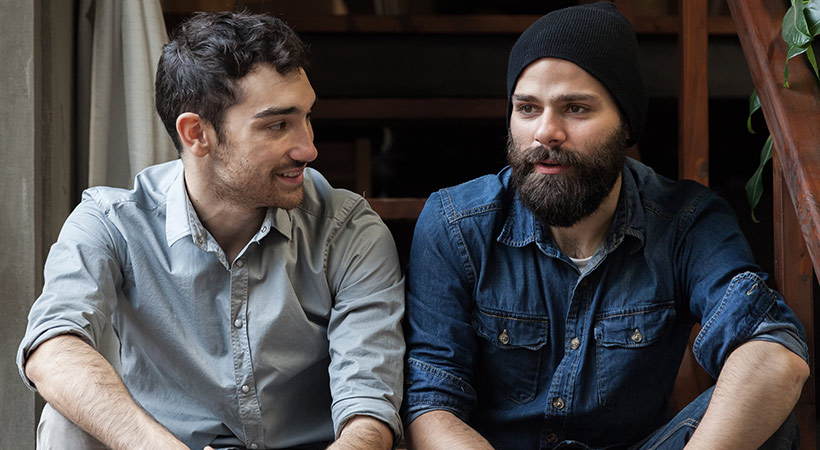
209 53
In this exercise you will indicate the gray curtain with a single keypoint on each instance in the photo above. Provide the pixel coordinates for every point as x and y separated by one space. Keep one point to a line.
119 132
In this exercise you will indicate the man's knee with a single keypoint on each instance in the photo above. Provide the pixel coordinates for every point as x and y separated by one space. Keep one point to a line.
57 432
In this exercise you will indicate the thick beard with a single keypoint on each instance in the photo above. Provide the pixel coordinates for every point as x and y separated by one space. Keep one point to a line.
563 200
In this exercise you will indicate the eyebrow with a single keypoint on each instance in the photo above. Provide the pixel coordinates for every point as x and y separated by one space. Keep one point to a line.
564 98
268 112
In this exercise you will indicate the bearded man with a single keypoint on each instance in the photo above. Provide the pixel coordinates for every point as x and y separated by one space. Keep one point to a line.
549 306
257 307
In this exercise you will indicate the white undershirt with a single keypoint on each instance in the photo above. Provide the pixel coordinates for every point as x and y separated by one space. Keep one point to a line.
580 263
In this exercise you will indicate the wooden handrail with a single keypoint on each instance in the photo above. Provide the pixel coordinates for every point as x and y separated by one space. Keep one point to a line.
792 114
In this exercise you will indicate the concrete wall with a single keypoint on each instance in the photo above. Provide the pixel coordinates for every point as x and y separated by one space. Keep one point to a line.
35 166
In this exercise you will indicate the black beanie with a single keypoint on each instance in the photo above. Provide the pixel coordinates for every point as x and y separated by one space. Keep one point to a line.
597 38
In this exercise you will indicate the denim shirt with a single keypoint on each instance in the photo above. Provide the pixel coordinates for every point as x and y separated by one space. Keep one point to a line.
504 331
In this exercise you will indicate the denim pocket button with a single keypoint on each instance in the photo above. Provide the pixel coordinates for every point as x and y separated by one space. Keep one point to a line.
636 336
504 337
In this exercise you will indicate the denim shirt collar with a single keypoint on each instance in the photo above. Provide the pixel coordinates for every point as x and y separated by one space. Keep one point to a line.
521 228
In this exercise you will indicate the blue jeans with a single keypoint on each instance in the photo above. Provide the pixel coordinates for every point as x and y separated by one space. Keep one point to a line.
676 433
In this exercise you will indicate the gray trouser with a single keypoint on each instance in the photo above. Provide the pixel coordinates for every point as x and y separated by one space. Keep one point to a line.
57 432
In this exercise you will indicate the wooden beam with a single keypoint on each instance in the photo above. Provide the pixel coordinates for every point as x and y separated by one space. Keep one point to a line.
397 208
693 100
410 108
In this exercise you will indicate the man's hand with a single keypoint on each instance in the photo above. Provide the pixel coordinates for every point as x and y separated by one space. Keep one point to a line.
79 383
755 392
442 430
364 432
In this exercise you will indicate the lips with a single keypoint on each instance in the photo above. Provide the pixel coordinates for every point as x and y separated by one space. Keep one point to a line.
292 175
550 167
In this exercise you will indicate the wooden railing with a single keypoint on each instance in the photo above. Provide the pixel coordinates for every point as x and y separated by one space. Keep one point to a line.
793 118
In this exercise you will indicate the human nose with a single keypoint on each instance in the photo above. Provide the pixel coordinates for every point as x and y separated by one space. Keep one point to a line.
304 150
550 131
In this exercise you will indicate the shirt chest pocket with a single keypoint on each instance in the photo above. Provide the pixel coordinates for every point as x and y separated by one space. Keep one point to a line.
631 348
509 354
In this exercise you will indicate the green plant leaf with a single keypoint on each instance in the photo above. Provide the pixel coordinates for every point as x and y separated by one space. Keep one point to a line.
795 31
812 61
754 105
754 187
795 27
811 10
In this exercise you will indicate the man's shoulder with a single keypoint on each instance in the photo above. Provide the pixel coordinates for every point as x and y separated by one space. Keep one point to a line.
484 195
665 197
151 186
321 200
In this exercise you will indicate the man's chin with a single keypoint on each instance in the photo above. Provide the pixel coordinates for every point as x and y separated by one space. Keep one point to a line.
290 200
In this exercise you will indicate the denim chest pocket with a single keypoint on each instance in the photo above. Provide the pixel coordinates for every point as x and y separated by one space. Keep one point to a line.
632 361
509 353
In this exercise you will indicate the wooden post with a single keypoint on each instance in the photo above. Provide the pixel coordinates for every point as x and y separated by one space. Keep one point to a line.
693 98
793 275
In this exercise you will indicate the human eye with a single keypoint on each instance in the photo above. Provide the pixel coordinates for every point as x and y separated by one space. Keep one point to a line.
526 109
277 126
576 109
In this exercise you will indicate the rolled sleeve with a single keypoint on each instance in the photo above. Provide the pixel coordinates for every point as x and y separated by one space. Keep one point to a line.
81 275
435 389
748 310
365 333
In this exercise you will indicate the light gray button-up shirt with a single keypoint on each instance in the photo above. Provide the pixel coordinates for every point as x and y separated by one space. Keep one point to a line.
274 349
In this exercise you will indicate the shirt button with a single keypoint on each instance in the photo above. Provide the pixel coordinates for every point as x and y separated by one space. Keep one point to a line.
636 336
552 438
558 403
254 446
199 241
574 343
504 337
237 323
240 263
246 389
264 229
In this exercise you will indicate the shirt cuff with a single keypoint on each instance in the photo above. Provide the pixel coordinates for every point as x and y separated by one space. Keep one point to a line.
382 410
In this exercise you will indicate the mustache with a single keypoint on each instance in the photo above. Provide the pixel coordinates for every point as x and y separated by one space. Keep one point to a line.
538 153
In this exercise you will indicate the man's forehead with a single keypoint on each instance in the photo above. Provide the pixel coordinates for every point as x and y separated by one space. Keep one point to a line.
264 92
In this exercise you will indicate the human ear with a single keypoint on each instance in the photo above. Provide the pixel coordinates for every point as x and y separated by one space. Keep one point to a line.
193 133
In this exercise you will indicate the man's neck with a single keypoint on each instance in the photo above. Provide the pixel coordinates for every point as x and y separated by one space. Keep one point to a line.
231 225
582 239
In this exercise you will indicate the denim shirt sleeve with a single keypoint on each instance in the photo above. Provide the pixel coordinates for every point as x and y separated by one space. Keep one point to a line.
82 272
364 332
726 290
440 338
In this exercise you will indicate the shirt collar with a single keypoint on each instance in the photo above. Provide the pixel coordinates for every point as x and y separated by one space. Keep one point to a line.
181 219
521 228
279 219
176 209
